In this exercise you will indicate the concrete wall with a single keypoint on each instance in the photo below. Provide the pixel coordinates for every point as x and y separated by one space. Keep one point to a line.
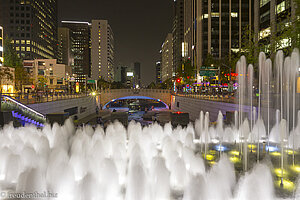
108 95
194 106
85 106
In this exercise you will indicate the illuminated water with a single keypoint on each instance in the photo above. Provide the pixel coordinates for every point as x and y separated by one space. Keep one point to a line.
148 163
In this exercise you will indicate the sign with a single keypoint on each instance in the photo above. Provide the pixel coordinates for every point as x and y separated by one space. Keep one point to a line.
91 81
207 73
129 73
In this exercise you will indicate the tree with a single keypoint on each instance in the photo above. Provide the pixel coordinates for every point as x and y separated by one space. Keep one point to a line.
11 58
5 75
186 72
42 81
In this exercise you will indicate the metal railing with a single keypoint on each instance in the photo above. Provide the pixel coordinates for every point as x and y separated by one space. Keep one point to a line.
42 97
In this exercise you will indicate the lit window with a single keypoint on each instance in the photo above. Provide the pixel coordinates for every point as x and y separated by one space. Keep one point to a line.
17 48
215 14
280 7
234 14
205 16
27 41
264 33
263 2
27 48
17 41
22 41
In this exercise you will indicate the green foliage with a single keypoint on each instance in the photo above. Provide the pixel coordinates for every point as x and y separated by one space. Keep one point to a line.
11 58
22 77
103 84
186 72
42 81
117 85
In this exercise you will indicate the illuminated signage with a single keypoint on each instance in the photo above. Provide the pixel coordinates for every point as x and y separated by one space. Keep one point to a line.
129 73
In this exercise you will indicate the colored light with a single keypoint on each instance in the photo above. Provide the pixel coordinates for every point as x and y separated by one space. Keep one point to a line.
220 148
236 153
278 173
234 159
272 148
296 168
287 184
210 157
275 154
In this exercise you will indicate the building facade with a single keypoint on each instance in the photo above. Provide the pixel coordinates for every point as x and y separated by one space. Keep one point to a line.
178 33
47 74
65 46
270 17
32 27
102 50
167 58
158 72
215 27
1 46
80 48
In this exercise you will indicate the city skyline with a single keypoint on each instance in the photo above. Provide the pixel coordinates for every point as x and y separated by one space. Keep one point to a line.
136 38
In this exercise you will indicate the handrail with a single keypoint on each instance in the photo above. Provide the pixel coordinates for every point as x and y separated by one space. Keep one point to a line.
23 106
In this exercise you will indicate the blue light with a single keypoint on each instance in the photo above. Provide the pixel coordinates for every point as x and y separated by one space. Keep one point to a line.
272 148
220 148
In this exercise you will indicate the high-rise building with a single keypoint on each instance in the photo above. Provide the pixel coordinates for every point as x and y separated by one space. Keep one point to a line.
167 58
178 33
137 73
158 72
81 48
215 27
102 51
65 46
270 17
32 26
1 46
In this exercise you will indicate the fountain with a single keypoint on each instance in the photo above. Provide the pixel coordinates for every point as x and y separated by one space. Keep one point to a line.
160 162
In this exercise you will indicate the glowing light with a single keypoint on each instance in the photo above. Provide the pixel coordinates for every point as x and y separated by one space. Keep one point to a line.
234 159
275 154
287 184
210 157
272 148
220 148
236 153
253 146
296 168
278 173
94 93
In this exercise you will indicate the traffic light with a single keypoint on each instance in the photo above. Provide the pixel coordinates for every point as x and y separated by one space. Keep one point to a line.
178 80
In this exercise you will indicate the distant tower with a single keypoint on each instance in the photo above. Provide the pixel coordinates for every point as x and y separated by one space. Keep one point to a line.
102 50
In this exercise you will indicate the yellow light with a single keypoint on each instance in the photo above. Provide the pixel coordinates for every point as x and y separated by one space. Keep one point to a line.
77 88
7 88
275 154
287 184
236 153
296 168
212 162
209 157
213 152
278 173
94 93
290 152
234 159
252 145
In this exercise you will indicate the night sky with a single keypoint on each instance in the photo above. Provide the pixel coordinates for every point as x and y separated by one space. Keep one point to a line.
139 27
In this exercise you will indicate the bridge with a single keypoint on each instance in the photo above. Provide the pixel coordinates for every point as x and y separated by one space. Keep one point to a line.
110 94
